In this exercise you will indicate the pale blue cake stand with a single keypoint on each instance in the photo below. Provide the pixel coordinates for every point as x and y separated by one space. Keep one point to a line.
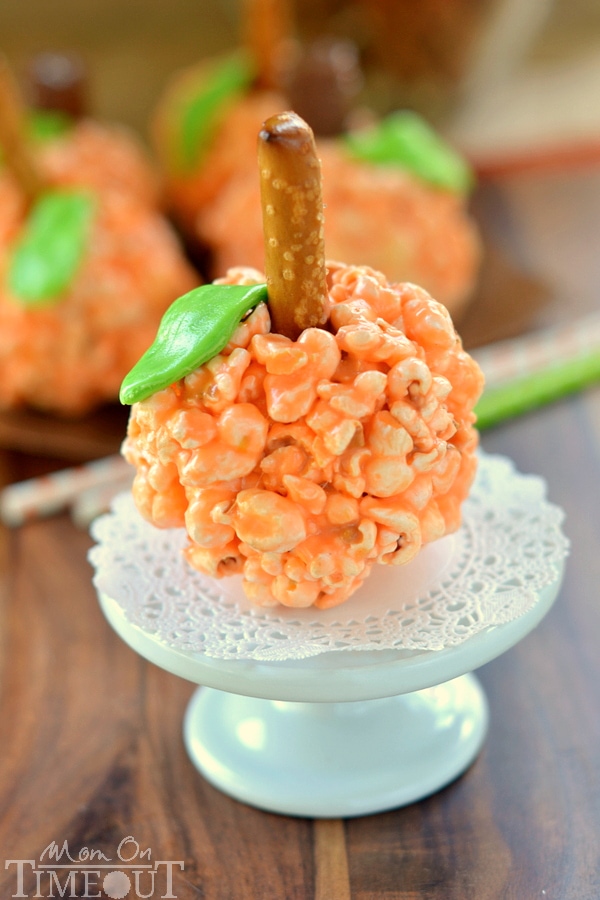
338 734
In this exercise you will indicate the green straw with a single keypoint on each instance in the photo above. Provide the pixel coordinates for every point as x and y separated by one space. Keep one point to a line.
522 394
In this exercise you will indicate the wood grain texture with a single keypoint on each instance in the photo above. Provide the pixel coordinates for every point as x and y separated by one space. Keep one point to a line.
330 860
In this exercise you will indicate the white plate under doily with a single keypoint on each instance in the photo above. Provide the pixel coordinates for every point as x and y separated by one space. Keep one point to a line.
303 728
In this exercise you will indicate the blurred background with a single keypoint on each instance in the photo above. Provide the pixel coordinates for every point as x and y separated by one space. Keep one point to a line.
509 82
476 64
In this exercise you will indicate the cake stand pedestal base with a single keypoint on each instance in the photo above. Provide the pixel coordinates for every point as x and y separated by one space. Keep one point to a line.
336 759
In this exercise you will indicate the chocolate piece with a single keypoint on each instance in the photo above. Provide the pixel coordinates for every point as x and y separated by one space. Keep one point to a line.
323 84
58 82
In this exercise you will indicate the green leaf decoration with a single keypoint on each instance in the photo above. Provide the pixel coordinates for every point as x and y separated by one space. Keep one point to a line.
194 329
51 247
45 126
201 105
404 139
528 392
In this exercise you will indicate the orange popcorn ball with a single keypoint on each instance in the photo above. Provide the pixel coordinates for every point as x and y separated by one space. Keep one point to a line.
302 463
71 355
88 265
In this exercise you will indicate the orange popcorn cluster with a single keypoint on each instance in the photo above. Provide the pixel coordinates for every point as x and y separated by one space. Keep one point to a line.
301 464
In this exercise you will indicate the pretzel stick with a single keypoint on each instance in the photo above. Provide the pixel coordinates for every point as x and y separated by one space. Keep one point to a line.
13 137
58 82
267 26
292 206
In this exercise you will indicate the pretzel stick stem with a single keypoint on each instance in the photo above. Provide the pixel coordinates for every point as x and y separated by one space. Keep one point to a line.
13 138
292 206
267 26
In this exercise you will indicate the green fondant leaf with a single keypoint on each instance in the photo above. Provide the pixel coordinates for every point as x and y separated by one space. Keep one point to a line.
194 329
43 125
203 104
48 253
404 139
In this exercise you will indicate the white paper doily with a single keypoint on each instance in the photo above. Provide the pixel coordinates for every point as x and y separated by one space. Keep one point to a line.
509 547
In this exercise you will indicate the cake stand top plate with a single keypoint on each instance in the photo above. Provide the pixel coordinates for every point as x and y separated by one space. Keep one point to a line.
464 600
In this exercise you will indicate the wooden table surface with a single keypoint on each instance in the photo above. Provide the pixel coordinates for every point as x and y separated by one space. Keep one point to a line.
91 746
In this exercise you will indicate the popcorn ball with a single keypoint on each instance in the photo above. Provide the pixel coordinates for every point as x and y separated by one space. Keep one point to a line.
88 264
70 355
332 430
300 464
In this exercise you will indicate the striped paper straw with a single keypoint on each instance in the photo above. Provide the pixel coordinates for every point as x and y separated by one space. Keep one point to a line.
96 500
529 371
52 493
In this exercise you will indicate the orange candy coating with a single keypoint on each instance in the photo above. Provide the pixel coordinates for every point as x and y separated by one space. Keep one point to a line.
301 464
101 157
